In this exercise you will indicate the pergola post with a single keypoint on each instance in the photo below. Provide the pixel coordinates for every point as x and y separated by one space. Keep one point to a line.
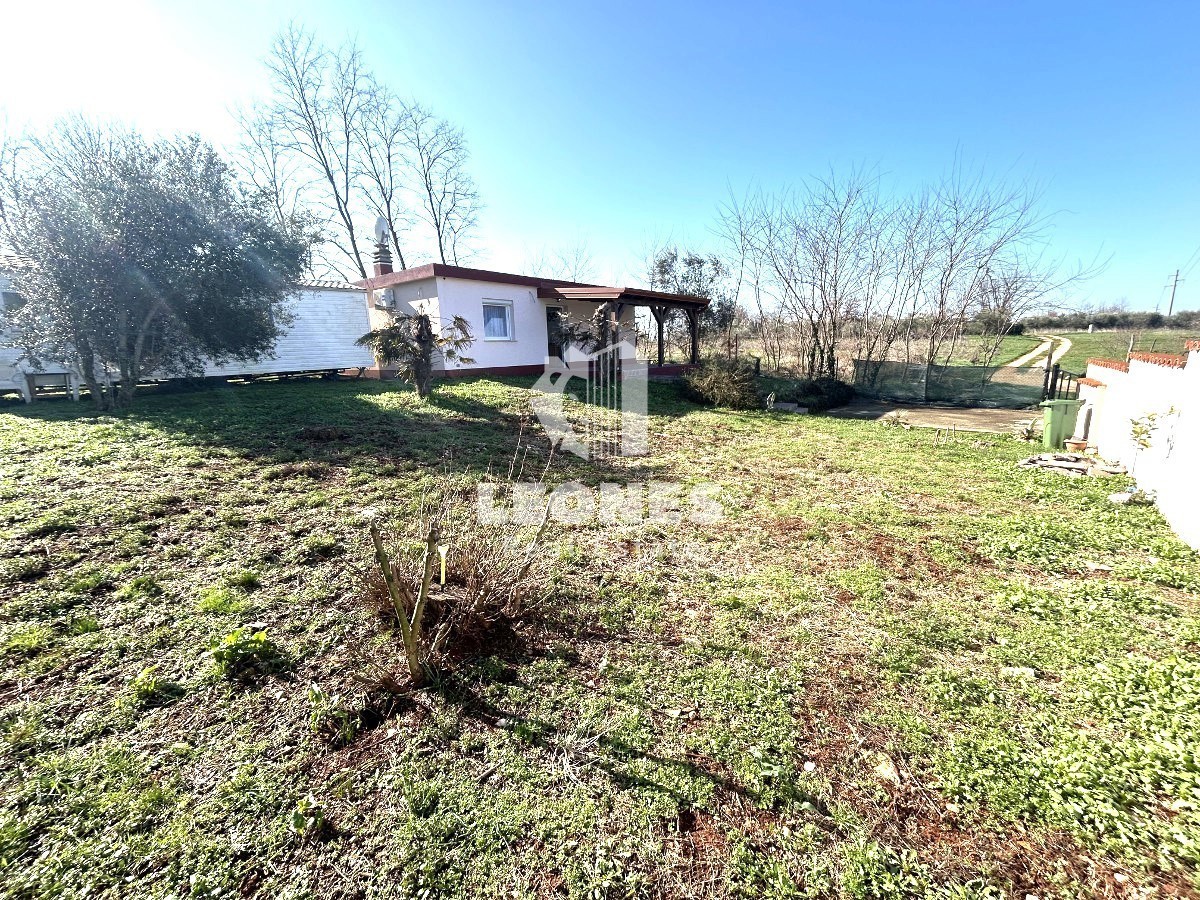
659 313
694 330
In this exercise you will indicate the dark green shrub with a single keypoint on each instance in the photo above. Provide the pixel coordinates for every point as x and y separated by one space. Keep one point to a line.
818 394
728 384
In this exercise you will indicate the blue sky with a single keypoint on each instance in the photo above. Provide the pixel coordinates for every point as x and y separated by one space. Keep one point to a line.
620 124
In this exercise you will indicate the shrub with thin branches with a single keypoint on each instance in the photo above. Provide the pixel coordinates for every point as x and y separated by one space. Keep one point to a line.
724 383
494 575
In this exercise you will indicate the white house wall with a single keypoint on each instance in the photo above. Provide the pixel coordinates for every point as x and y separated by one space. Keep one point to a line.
528 345
410 297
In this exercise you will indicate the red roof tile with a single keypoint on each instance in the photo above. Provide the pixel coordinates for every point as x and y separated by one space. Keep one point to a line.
1119 365
1170 360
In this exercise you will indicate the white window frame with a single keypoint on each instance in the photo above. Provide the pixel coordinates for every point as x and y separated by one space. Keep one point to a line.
507 305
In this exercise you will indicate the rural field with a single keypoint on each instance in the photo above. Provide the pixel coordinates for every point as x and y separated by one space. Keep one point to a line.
895 669
1115 344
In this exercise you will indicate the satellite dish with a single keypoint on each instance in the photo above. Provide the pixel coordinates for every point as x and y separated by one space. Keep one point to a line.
381 230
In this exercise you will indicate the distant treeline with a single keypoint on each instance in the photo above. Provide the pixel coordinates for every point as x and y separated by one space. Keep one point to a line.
1079 321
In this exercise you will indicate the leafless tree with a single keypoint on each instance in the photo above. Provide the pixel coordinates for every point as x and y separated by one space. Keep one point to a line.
387 162
267 168
319 100
815 248
573 262
449 202
852 267
339 147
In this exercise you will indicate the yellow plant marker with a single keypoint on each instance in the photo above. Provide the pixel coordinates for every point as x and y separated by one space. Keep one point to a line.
442 550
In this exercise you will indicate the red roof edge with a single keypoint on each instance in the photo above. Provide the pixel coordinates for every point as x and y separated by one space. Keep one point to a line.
1091 382
442 270
1169 360
547 288
1118 364
1191 346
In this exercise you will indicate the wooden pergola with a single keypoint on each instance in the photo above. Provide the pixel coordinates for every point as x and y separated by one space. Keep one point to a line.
658 302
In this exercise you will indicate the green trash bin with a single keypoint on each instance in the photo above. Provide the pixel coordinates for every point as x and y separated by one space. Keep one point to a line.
1058 421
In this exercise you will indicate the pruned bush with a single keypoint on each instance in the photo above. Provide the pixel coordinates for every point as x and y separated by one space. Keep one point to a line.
494 574
731 385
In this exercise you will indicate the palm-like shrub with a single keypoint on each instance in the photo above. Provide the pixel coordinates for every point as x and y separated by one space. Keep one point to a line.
410 342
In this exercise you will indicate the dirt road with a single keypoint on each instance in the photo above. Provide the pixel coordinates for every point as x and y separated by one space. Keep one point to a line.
1036 358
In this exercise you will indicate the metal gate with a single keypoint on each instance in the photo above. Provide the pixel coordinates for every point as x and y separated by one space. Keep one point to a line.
615 411
604 393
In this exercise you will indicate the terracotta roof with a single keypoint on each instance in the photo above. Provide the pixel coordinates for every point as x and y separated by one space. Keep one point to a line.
1091 382
1170 360
1191 346
547 288
1119 365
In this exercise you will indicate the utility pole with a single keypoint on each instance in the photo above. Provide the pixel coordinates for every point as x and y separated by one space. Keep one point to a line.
1174 284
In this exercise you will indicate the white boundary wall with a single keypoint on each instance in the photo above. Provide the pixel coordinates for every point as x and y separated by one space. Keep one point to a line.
1170 465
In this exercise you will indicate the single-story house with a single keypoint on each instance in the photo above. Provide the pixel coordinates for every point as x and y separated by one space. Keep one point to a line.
511 318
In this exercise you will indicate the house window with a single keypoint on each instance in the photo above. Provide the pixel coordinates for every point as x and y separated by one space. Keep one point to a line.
497 320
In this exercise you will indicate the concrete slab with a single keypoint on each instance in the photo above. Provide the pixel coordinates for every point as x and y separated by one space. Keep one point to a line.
998 421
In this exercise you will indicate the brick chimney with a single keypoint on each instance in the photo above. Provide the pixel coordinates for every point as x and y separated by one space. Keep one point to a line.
382 258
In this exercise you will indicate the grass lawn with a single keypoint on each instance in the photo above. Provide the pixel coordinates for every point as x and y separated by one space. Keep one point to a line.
895 669
1115 344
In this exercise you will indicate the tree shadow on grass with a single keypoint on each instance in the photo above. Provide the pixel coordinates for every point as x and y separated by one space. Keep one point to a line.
510 649
604 752
473 424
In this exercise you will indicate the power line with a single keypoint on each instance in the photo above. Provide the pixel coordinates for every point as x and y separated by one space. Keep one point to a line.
1192 262
1158 302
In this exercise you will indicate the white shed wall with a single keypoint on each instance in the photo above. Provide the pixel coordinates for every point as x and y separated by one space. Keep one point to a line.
12 368
326 324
